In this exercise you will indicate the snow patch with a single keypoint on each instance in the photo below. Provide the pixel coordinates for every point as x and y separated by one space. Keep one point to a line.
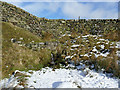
75 46
66 78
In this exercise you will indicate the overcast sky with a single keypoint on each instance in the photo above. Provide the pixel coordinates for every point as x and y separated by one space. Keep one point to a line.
70 9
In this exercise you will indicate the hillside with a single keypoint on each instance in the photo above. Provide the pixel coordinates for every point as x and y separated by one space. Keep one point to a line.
85 47
15 56
39 26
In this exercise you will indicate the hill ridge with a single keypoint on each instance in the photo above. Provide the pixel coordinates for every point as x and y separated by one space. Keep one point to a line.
38 26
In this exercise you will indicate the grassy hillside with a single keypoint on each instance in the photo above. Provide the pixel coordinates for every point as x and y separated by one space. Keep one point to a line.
20 57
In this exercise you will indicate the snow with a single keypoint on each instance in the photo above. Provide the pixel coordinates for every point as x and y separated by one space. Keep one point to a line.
63 21
66 78
70 79
85 36
63 35
102 46
21 38
12 39
117 44
72 49
105 54
7 83
33 41
41 43
69 34
118 53
78 37
86 55
73 55
101 39
67 57
94 49
101 54
98 42
75 45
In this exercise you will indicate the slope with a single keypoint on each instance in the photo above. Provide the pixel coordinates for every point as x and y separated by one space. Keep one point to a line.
15 56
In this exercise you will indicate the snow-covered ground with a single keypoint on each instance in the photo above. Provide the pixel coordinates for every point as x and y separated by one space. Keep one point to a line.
63 78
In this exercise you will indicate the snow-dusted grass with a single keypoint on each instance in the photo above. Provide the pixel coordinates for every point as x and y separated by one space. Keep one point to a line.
93 48
75 49
64 78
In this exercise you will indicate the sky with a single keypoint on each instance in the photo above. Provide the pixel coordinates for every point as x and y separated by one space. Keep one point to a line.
70 9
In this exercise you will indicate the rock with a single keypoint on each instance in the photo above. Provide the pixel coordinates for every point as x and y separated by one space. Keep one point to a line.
41 43
46 43
13 40
21 38
19 42
63 22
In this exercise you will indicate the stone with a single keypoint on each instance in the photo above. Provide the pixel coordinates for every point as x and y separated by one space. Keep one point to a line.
63 22
21 38
13 40
19 42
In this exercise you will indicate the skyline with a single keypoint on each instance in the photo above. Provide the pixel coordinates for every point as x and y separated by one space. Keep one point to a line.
71 10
